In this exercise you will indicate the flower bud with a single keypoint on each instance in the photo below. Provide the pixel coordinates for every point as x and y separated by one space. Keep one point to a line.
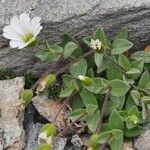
26 96
46 82
49 129
97 45
93 142
132 120
45 147
85 80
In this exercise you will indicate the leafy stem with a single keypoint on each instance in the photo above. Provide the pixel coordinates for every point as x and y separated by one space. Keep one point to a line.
124 72
104 106
63 69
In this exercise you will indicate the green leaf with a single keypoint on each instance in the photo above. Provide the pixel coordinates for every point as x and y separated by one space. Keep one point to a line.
76 114
98 58
113 72
133 132
127 79
99 34
91 109
144 111
145 78
124 62
120 100
45 147
115 121
88 97
103 137
129 102
67 38
68 79
139 64
52 54
117 140
93 117
133 111
145 99
90 73
87 40
77 102
111 106
133 71
122 34
119 87
132 121
79 68
69 49
136 96
99 86
142 55
67 91
120 46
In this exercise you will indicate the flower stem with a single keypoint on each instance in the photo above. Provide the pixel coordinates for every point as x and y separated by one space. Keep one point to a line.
104 106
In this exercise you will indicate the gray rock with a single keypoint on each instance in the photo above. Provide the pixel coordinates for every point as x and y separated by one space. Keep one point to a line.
127 145
48 109
60 143
11 129
78 17
76 141
143 141
32 137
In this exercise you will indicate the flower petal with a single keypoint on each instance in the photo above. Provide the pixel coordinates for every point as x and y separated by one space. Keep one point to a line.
35 25
9 33
25 19
17 25
15 44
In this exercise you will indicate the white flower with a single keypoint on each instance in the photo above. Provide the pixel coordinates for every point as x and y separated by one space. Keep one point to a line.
43 135
81 77
96 44
22 31
44 138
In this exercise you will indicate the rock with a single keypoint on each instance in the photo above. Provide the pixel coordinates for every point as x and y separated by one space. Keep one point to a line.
78 17
11 129
30 113
127 145
76 141
143 141
32 139
60 143
48 109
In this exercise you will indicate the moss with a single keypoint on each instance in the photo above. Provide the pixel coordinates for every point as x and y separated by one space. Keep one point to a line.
29 78
54 91
7 75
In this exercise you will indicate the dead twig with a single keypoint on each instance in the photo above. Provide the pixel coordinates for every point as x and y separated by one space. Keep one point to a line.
65 130
63 105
